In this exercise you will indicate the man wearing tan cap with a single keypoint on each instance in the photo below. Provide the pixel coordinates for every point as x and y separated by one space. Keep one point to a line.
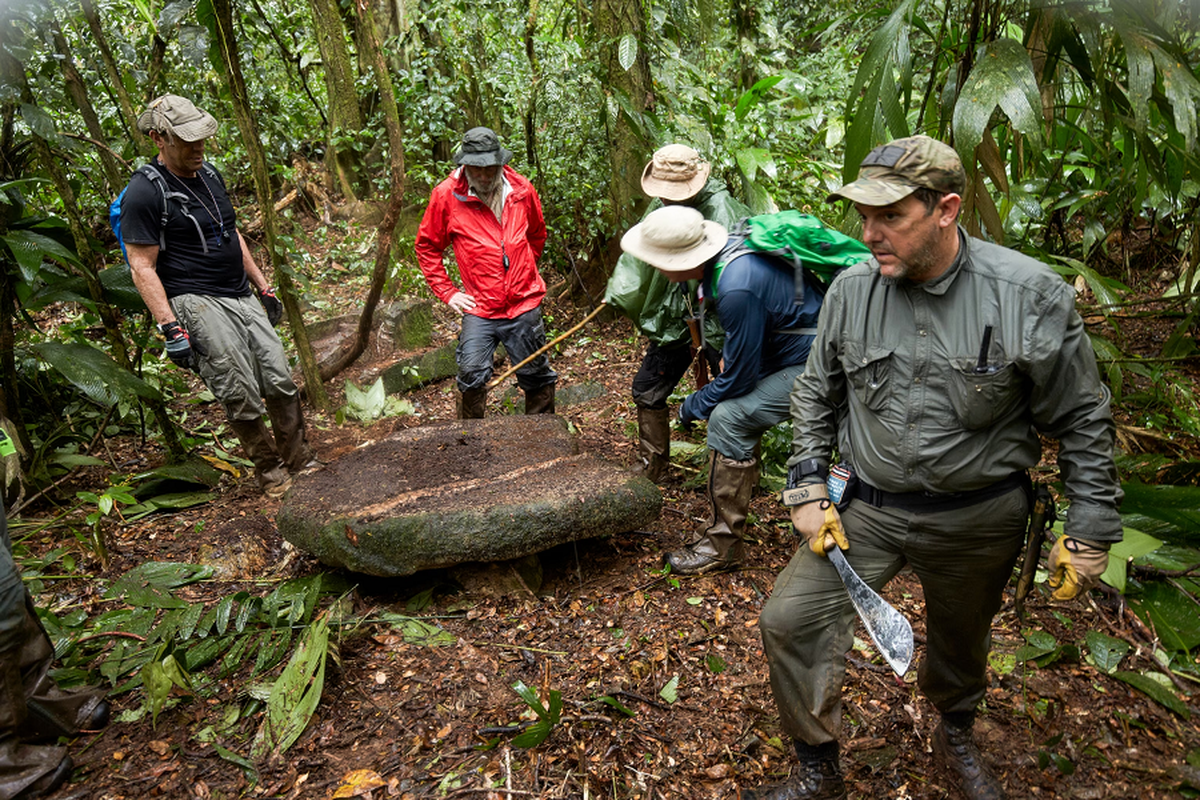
937 365
200 281
768 333
676 175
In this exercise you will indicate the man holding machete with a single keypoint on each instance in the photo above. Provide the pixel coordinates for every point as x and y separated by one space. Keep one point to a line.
937 365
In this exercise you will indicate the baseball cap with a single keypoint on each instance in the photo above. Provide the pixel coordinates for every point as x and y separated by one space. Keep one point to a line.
177 116
893 171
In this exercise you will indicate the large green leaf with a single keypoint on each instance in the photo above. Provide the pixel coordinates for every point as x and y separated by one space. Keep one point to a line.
1175 508
1001 78
30 249
1135 543
295 695
1155 690
94 373
1172 614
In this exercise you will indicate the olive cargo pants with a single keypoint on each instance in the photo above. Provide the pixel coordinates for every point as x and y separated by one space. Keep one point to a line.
963 558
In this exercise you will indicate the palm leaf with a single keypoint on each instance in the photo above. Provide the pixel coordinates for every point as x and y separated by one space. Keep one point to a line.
92 372
1002 78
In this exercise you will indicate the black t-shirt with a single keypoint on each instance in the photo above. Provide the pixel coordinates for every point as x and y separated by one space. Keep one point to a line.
183 266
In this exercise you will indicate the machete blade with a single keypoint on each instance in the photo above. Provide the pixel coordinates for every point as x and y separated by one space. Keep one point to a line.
888 627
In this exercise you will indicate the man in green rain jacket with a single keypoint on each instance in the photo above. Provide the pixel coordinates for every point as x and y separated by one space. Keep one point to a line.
676 175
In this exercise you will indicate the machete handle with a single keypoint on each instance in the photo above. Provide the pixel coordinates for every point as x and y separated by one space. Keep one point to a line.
1040 518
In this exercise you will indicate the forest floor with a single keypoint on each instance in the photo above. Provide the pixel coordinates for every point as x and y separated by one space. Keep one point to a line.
605 623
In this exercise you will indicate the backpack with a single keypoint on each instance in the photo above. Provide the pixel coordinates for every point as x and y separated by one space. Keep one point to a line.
814 252
156 178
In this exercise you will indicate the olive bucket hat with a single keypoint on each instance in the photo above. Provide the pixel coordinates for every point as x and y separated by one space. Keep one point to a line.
177 116
893 171
481 148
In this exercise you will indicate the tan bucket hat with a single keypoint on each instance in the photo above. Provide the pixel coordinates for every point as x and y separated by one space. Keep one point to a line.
674 239
893 171
675 172
177 116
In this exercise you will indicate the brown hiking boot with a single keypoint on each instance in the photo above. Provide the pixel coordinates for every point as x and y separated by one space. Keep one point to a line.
954 747
719 547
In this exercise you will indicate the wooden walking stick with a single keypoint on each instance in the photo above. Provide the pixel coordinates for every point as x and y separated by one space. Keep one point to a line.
494 382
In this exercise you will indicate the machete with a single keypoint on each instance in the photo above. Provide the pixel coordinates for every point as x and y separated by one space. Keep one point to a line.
889 629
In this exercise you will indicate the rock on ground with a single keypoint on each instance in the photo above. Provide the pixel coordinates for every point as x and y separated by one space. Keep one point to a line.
461 491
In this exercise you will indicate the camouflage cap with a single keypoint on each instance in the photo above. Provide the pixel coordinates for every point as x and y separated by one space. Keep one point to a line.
893 171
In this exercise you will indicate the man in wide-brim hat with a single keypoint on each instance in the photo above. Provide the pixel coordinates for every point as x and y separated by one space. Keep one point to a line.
768 335
661 310
491 216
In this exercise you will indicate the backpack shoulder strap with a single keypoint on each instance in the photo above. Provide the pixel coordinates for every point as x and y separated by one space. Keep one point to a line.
167 193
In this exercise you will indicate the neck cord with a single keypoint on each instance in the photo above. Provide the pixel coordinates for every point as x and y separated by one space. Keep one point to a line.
219 219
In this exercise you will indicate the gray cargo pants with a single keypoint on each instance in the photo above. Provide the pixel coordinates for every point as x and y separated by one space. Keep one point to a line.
242 360
964 558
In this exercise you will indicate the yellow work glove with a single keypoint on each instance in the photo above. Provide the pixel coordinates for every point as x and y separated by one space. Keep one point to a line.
1075 566
820 525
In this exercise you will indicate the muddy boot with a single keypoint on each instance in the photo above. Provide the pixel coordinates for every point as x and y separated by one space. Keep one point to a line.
51 711
291 436
954 747
540 400
817 776
472 403
269 469
719 547
26 770
654 443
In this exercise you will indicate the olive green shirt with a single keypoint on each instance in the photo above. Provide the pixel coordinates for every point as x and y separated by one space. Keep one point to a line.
894 380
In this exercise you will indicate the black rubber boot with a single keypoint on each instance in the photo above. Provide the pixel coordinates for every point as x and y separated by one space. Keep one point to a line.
719 547
291 434
654 443
540 400
816 776
954 747
269 469
472 404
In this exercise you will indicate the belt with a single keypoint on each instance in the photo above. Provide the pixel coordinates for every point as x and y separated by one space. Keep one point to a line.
931 502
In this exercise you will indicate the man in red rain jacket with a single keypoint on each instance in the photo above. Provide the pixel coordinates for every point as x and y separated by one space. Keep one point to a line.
490 215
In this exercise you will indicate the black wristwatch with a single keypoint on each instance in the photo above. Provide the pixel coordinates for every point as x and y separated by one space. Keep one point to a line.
804 472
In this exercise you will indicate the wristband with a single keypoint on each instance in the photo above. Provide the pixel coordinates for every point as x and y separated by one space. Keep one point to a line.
805 494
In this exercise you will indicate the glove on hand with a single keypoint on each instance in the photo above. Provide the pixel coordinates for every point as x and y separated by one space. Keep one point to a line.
685 424
272 306
1075 566
820 525
179 345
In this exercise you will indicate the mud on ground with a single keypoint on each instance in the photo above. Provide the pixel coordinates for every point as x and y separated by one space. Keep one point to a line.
608 631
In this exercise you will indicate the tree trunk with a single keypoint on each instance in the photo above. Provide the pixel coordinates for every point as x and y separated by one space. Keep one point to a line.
372 53
345 115
745 26
128 112
227 47
536 73
79 95
628 146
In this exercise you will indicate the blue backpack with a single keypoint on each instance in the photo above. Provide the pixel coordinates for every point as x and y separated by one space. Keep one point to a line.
155 177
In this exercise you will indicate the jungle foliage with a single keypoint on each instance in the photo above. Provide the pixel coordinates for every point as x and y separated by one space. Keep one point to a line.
1078 123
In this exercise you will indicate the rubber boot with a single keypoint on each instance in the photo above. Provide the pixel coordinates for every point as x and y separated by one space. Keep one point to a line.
269 469
472 403
719 546
26 770
954 747
291 435
654 443
51 711
816 776
540 400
